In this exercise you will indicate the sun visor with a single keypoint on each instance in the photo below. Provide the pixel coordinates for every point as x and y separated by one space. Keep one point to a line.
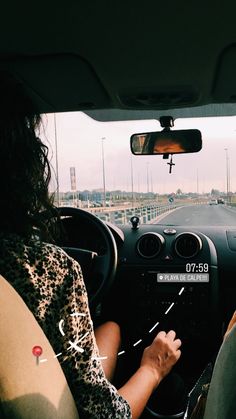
59 83
224 89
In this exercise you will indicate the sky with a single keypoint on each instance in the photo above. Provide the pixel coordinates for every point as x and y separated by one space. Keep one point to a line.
79 145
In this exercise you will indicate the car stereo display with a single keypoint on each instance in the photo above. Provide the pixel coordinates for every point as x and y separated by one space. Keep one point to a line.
182 277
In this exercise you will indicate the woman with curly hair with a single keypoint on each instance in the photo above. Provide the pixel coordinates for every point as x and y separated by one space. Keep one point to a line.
51 283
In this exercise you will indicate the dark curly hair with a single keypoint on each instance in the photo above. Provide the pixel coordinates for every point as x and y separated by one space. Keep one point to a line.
24 167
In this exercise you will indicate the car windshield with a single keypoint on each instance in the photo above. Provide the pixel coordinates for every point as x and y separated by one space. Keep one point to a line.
93 169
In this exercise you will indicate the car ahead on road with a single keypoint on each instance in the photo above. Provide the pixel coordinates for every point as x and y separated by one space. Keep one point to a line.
213 202
104 73
220 201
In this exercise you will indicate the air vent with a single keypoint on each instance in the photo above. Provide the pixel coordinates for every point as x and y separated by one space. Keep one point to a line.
187 245
150 244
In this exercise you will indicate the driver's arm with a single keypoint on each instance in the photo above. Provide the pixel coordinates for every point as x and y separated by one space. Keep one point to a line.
95 395
157 361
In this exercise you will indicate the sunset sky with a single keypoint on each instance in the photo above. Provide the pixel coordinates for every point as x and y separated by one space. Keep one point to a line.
80 145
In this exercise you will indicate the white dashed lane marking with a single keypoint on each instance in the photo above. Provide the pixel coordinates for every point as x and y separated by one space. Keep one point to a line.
136 343
155 325
167 311
121 353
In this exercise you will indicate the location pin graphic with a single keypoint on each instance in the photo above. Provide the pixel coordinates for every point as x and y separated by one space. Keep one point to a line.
37 351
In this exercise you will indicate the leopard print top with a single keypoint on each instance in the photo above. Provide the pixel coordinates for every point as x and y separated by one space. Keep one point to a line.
51 284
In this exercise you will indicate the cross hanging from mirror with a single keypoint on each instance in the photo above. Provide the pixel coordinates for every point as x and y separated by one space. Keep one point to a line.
171 164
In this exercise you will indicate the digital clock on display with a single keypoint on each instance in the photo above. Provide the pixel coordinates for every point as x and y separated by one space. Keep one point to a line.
197 267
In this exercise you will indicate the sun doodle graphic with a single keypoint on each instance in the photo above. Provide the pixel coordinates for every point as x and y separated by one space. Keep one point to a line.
77 344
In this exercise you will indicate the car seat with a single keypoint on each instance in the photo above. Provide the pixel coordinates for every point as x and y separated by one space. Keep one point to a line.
29 389
221 399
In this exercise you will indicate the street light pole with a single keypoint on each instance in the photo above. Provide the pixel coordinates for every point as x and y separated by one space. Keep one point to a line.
227 174
132 179
147 180
197 184
56 157
103 174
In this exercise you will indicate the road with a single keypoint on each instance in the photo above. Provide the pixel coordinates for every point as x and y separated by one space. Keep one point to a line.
211 215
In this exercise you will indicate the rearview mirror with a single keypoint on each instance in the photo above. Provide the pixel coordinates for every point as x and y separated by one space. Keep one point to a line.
166 142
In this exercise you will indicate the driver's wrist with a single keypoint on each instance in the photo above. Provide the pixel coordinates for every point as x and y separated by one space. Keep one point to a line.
151 374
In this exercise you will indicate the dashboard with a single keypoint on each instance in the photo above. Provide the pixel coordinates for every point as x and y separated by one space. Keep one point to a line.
167 277
175 277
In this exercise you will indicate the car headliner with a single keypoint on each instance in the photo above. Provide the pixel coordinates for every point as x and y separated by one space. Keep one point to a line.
123 60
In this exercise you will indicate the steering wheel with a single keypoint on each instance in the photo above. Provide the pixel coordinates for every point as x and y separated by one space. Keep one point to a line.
98 269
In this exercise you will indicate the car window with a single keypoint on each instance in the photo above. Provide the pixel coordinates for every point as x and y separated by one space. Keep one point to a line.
93 169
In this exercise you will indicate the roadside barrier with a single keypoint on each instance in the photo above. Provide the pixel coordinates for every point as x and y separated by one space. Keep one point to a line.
147 214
